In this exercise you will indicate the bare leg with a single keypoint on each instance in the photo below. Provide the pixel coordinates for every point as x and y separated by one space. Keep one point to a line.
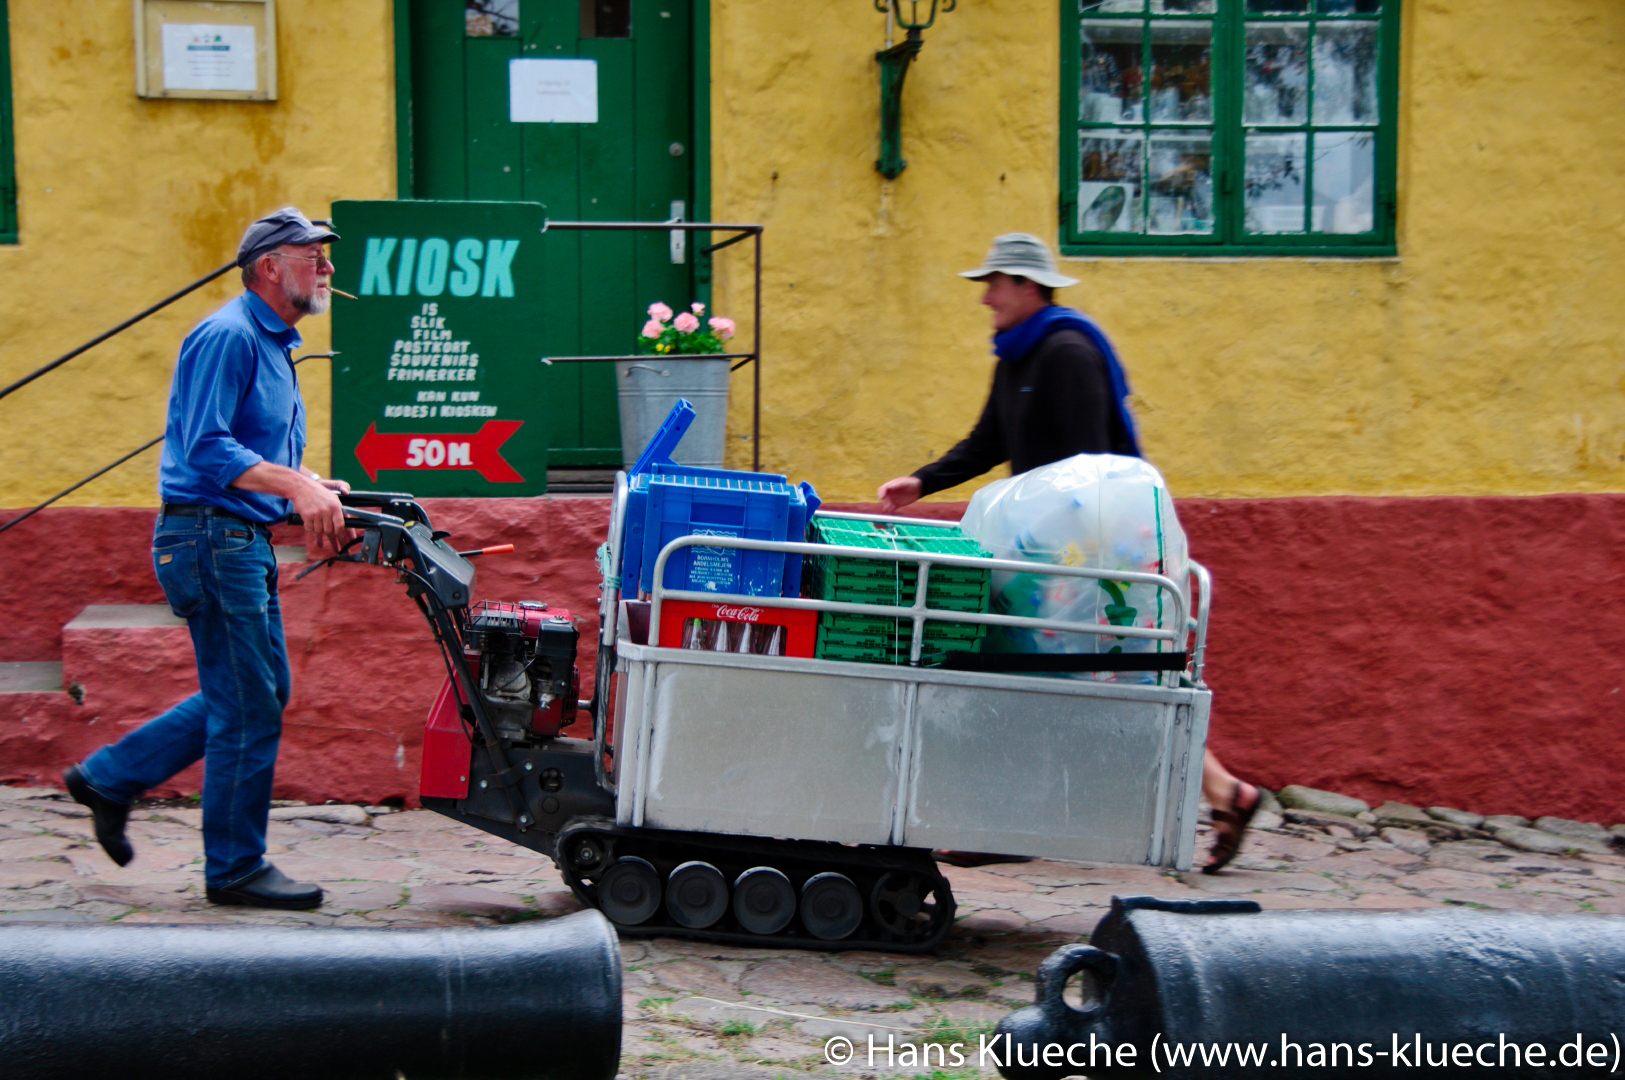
1218 783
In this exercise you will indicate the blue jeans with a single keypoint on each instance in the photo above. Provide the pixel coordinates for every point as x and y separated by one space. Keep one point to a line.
220 575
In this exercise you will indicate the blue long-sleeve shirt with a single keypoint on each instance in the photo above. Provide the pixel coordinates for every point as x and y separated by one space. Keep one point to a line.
234 403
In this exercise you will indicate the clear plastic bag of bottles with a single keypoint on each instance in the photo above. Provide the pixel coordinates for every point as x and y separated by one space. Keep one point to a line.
1097 510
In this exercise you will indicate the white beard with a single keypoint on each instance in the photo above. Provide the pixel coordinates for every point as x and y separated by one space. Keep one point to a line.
316 302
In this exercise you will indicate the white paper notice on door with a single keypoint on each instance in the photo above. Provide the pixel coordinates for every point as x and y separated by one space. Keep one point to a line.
553 91
201 56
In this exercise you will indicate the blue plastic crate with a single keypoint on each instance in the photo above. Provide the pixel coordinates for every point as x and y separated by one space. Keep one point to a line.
637 508
751 505
804 503
672 430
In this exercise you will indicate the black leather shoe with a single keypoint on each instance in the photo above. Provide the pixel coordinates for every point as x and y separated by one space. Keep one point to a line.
268 887
108 815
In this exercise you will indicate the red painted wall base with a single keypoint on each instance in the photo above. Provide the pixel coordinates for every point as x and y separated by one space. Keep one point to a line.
1458 651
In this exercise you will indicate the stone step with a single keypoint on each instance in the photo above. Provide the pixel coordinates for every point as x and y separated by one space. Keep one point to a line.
123 617
31 677
128 662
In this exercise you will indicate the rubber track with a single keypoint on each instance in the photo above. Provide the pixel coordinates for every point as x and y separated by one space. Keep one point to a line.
798 859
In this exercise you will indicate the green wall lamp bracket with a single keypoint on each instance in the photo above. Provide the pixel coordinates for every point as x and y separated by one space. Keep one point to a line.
894 64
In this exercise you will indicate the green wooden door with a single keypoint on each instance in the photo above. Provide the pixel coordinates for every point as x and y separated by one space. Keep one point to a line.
634 164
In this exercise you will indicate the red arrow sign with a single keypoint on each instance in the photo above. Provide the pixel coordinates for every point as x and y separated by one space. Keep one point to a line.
479 450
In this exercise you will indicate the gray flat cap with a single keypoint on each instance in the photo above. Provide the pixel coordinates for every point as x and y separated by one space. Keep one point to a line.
285 226
1020 254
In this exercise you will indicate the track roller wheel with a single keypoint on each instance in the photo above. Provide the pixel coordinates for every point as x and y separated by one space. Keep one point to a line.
629 891
831 907
696 895
764 900
909 906
586 855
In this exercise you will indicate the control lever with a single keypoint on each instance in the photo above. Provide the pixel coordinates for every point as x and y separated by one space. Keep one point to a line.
496 549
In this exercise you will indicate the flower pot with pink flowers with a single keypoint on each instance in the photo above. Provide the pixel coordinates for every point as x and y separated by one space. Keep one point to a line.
681 362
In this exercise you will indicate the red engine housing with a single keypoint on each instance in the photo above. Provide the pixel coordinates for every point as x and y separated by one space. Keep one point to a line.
540 638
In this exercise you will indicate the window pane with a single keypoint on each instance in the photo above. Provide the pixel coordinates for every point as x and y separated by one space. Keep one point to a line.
1183 7
1349 7
1109 171
1345 182
606 18
1277 7
1346 73
490 18
1111 6
1181 187
1277 78
1274 183
1181 71
1111 71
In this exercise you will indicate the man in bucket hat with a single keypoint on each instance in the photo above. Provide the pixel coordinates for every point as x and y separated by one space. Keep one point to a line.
1058 390
232 467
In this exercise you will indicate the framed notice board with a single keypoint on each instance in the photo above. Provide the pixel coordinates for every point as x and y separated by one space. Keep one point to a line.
223 49
438 387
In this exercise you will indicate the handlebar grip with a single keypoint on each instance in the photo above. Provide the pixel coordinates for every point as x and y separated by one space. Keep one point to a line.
374 498
369 517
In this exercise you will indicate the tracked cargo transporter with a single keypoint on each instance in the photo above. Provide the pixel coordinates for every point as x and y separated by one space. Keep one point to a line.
785 800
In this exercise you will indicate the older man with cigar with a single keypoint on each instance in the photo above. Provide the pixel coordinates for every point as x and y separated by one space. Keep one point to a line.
232 467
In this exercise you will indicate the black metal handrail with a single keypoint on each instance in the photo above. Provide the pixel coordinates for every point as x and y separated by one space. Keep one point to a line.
149 444
755 354
125 325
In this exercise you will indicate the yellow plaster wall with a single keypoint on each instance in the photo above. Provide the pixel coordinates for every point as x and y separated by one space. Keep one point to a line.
1487 358
124 200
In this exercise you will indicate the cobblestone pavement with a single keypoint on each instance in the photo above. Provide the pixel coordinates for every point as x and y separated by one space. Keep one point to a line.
698 1012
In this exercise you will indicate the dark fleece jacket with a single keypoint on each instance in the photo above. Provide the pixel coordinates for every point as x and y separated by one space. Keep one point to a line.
1053 402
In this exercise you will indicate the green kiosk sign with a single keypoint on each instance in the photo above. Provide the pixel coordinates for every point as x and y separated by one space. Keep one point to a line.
436 388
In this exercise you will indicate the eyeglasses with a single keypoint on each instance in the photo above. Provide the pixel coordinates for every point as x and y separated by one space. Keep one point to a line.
316 259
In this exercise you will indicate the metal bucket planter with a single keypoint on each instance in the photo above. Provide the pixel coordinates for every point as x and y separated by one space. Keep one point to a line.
649 387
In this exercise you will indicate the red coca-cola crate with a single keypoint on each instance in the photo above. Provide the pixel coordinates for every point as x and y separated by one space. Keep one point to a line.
744 623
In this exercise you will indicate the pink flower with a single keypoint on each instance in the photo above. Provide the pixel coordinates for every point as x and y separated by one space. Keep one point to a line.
686 323
723 327
659 312
653 329
697 308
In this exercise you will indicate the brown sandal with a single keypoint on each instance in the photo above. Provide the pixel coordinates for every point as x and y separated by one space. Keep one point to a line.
1228 827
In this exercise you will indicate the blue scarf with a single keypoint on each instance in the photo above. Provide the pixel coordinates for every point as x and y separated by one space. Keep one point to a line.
1017 341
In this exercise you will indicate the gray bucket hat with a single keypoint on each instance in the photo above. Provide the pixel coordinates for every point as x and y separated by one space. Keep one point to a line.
286 226
1020 254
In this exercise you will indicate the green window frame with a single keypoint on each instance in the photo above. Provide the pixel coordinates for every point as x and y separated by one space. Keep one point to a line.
1229 127
8 158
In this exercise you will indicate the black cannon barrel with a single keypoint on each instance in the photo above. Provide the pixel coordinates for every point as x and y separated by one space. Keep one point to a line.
1218 988
539 999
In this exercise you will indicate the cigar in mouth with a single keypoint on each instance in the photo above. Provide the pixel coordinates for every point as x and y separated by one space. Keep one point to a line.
341 292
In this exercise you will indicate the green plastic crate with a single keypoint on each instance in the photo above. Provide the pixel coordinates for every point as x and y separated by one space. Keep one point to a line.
879 626
869 653
883 639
